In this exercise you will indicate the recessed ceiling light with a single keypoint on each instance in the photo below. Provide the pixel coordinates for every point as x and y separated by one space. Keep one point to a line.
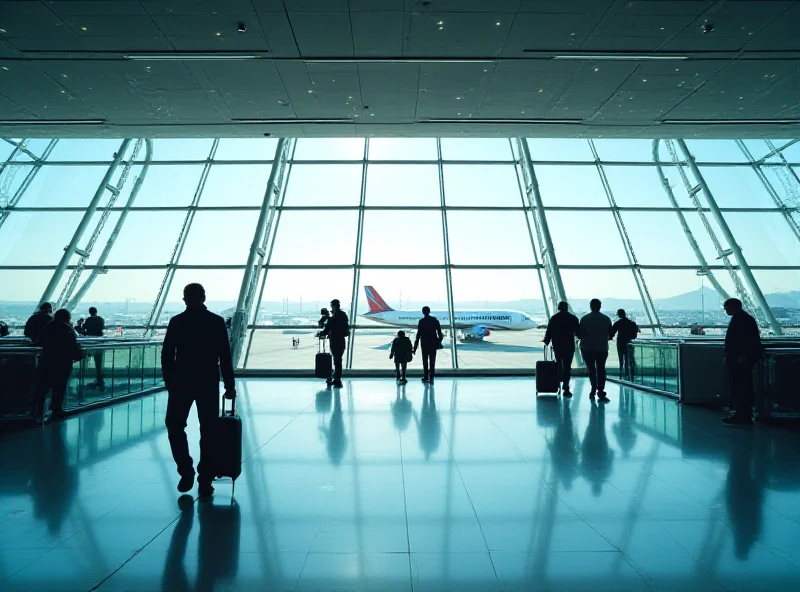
84 29
5 68
372 115
497 23
458 98
441 28
597 69
310 92
219 34
3 31
440 23
541 90
64 75
63 92
644 79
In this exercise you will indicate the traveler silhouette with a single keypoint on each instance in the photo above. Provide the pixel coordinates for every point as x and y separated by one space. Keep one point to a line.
59 351
337 329
334 432
323 319
595 332
564 449
95 326
626 331
429 426
38 320
401 410
195 349
562 330
597 459
4 331
402 355
429 332
742 352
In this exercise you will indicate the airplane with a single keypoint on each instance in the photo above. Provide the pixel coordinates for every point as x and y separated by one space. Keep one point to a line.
473 325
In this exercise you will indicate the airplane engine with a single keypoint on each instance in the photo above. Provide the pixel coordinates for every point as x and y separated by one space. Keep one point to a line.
480 332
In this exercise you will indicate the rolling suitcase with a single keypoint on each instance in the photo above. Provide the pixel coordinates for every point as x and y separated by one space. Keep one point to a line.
228 447
547 376
323 364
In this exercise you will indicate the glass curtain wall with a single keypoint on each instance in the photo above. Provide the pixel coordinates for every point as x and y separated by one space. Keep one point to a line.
460 225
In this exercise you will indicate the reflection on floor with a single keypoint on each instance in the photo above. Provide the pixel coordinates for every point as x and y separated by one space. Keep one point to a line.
473 485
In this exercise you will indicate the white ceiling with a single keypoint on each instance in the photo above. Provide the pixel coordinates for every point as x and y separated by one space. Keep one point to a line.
387 67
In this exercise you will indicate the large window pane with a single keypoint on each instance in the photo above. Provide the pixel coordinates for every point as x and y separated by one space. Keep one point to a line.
736 187
402 149
179 149
637 187
651 231
62 186
476 149
489 185
246 149
765 239
324 185
402 238
147 238
221 285
402 185
586 238
316 238
294 298
164 185
235 185
506 291
85 150
625 150
329 149
560 149
219 238
123 296
782 290
489 238
36 238
20 294
570 186
713 151
407 290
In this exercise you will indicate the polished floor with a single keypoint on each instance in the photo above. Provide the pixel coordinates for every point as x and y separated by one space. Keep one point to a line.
469 486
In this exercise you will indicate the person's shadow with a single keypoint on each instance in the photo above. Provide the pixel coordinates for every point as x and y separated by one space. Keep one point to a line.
54 482
334 432
623 429
597 459
564 448
217 546
429 426
401 409
744 498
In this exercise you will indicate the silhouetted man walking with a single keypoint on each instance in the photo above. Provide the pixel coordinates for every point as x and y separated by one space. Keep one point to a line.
562 330
38 320
429 332
742 351
59 350
337 329
195 349
595 330
626 331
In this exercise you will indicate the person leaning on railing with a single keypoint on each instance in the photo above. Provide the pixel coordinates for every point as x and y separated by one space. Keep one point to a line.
59 351
94 326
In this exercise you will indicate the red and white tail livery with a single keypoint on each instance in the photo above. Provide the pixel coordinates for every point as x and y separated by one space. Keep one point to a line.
376 303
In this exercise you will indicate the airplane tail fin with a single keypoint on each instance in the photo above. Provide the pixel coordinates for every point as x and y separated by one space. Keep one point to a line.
376 303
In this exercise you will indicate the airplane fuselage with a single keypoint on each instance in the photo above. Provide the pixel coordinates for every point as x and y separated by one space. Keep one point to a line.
502 320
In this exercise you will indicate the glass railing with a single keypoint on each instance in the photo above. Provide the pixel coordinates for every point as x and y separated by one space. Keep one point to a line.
655 365
777 380
110 369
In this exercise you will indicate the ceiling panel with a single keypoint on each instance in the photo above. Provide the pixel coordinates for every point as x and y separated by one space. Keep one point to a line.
459 34
199 7
242 75
377 34
323 33
66 8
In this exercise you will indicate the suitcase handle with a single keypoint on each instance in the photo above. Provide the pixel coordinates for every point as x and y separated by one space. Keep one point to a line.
233 406
321 345
546 349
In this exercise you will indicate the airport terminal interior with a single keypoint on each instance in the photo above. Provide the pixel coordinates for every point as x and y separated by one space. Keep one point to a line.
487 160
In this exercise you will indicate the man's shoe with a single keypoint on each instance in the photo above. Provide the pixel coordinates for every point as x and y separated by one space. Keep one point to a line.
592 394
403 381
329 381
205 489
566 393
602 397
737 419
186 483
430 380
425 379
337 384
